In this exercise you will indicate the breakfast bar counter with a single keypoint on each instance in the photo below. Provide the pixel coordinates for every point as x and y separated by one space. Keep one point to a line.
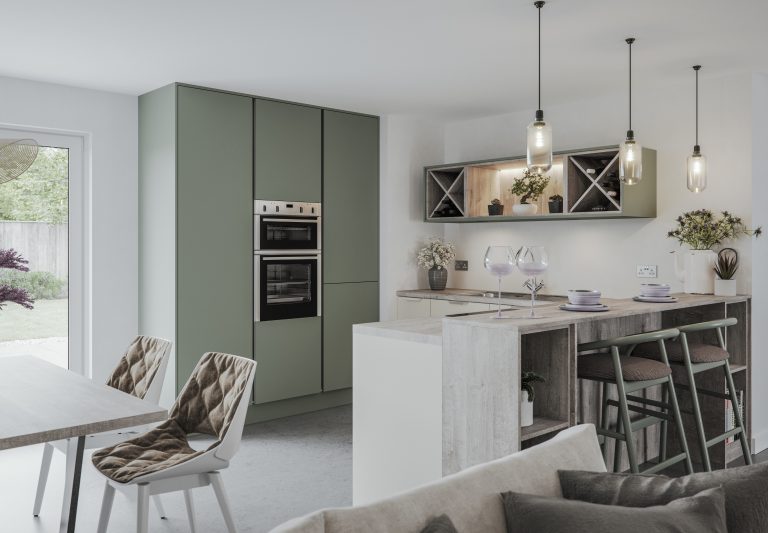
433 396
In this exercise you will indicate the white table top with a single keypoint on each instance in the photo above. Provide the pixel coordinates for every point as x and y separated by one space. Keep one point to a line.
41 402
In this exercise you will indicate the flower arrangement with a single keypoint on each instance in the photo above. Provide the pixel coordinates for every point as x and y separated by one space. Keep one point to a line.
436 254
12 260
529 186
702 230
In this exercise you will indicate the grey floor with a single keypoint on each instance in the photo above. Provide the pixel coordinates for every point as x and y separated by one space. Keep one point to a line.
285 468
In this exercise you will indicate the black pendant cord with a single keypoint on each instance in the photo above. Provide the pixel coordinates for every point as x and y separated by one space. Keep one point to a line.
630 133
696 147
539 112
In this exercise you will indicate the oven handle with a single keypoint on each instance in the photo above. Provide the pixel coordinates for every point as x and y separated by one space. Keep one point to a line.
287 257
295 220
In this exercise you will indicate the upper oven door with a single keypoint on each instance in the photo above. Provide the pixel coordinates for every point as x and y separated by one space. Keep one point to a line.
286 233
286 286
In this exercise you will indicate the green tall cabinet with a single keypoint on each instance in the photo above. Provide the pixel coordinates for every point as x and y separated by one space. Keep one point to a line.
350 237
196 223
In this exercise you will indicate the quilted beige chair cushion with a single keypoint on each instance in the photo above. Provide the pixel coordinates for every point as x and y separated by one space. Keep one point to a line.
700 353
206 405
138 367
600 366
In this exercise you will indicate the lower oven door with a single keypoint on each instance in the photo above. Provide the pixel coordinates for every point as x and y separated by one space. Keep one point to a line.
286 286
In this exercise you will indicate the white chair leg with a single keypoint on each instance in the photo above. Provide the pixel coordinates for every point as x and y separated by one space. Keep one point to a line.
106 507
221 496
160 508
42 480
190 510
142 514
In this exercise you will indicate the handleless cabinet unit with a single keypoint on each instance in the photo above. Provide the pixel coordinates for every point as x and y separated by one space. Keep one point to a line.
350 237
287 160
195 224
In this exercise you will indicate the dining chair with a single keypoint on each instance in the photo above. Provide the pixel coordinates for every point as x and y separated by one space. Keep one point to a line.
694 358
634 374
140 372
213 402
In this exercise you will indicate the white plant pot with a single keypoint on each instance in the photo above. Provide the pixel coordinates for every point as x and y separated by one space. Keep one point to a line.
525 209
725 287
697 272
526 410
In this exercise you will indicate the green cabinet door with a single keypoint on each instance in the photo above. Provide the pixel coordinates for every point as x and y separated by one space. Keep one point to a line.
344 304
289 355
214 226
287 158
350 197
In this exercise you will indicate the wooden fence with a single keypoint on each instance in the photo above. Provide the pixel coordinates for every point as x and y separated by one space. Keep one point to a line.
44 245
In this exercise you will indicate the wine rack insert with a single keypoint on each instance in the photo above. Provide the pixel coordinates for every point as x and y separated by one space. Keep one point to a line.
586 179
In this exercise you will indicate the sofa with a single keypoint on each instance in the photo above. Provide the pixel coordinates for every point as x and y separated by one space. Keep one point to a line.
471 498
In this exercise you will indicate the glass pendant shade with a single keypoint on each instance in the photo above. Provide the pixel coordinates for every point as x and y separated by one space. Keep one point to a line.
630 162
697 172
539 154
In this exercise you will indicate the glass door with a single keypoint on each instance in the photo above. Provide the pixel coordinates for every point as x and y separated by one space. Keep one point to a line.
37 240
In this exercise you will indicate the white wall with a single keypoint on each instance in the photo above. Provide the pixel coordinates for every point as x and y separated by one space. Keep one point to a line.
604 254
760 261
109 123
408 144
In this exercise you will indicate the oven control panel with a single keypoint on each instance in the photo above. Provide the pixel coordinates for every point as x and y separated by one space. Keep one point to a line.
293 209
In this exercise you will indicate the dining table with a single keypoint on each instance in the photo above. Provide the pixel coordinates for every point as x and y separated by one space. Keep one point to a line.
41 402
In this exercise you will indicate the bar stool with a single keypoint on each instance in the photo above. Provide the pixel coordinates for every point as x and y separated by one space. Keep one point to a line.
696 358
632 374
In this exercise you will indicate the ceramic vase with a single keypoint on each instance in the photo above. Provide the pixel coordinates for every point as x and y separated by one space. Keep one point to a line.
438 278
697 270
525 209
725 287
526 410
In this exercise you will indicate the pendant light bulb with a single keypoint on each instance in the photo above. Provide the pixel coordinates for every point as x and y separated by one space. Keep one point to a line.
539 152
697 163
630 151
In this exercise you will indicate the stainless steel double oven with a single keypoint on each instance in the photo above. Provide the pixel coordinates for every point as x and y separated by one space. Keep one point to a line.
287 260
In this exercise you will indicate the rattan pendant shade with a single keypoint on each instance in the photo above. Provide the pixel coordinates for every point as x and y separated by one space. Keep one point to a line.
16 156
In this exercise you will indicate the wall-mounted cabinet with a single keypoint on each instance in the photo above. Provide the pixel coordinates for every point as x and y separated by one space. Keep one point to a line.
586 180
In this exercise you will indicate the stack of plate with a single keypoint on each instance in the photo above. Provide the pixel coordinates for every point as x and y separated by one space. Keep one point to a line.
584 300
655 292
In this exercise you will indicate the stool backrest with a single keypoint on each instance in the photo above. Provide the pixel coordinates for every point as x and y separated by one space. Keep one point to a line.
141 370
215 399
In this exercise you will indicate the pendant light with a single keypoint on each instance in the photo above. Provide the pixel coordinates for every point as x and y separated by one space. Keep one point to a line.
630 152
539 153
697 163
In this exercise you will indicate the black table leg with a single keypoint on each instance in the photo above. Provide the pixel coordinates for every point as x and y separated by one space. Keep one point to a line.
75 451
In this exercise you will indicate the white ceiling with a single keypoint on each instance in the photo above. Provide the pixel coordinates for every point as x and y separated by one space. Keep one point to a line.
452 57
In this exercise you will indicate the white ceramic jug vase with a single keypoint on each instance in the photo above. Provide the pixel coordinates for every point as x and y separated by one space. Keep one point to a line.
697 270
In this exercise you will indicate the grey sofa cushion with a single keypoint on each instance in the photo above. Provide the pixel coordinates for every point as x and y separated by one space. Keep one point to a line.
702 513
745 487
440 524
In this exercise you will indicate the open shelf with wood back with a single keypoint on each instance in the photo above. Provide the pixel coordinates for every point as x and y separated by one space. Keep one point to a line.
587 180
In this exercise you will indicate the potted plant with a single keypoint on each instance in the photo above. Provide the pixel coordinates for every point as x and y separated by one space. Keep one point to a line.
555 203
528 187
701 230
434 257
495 207
528 394
726 265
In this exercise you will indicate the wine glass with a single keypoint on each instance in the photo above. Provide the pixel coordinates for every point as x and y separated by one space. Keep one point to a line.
532 261
500 262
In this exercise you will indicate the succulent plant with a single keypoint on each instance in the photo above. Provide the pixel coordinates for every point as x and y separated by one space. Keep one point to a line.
727 263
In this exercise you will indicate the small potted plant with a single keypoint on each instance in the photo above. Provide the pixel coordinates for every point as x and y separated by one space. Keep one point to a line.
555 203
528 187
726 265
495 207
528 394
435 257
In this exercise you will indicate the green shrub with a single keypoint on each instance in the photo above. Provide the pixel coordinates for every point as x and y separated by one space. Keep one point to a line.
39 285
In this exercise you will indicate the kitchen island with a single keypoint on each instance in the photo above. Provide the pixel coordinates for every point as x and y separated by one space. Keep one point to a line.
433 396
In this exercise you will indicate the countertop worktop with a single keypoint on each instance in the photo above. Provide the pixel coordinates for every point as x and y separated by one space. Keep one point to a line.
520 299
429 330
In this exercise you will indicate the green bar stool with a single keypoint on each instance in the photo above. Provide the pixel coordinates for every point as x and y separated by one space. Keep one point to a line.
632 374
698 357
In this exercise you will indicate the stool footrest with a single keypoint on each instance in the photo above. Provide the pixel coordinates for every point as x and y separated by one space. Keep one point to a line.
721 438
648 412
664 464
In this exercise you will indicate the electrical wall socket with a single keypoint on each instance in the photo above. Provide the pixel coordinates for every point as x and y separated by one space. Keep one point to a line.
461 264
646 271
